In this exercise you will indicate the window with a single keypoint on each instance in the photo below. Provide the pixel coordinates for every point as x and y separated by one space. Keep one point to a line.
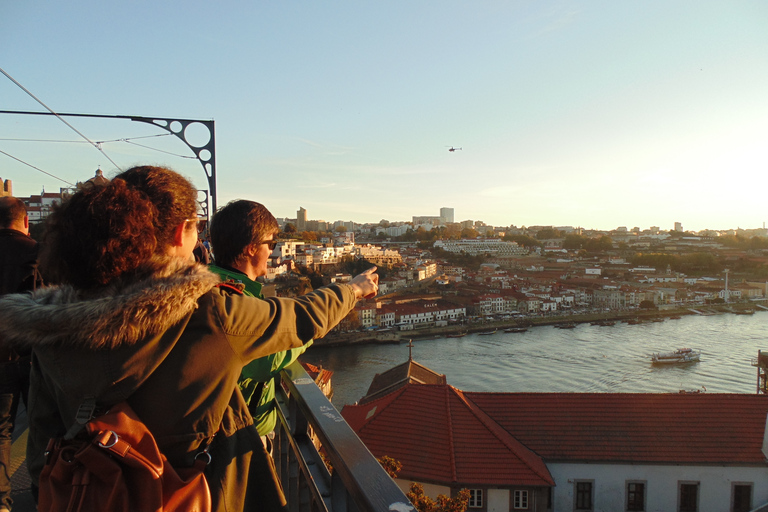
475 498
521 500
584 495
689 497
635 496
742 498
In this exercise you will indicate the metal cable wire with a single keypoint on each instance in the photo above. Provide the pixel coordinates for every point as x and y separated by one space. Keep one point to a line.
37 168
94 144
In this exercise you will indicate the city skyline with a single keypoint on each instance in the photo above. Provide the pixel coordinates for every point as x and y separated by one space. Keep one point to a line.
595 115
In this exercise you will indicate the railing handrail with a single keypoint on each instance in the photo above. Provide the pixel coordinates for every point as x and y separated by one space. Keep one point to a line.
367 484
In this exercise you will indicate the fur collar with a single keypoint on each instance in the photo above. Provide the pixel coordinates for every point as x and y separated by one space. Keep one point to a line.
121 313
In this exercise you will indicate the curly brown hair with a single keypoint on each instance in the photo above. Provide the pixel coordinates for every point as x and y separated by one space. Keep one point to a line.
106 232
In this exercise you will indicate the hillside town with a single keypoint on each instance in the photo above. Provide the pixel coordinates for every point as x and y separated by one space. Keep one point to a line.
523 274
437 273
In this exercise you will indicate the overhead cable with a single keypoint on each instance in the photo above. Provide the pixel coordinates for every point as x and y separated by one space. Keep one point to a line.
37 168
158 150
94 144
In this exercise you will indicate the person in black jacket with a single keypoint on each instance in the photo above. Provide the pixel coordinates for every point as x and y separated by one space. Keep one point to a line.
18 273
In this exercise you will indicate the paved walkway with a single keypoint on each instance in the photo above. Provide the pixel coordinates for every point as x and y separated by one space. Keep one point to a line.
20 481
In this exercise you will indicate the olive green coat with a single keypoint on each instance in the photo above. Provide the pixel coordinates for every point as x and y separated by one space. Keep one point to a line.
173 344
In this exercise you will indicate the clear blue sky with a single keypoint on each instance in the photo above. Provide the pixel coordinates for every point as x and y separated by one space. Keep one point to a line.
596 114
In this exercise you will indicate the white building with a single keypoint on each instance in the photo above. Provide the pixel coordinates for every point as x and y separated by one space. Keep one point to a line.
476 246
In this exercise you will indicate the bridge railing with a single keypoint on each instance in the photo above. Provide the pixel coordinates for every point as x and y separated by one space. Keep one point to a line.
307 419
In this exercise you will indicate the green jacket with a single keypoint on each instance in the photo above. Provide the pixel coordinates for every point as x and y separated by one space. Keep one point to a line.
259 375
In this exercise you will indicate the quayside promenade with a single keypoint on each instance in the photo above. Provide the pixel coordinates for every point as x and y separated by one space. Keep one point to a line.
393 336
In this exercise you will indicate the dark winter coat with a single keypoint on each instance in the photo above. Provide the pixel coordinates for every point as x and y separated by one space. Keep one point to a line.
18 272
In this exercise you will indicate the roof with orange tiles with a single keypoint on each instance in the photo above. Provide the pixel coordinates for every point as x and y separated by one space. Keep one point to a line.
400 375
443 435
439 436
317 373
698 428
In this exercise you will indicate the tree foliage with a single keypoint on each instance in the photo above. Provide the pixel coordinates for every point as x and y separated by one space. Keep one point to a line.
390 465
459 259
548 233
523 240
443 503
419 499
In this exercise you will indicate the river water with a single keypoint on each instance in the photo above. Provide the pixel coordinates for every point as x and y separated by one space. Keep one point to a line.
585 359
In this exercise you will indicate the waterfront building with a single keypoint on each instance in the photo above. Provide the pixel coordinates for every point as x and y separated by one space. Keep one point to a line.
572 451
422 313
366 311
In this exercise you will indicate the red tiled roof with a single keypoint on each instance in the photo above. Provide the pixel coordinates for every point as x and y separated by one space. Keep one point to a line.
398 376
317 374
443 435
440 436
704 428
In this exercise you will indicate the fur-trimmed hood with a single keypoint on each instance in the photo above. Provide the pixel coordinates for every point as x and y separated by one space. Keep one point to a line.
120 313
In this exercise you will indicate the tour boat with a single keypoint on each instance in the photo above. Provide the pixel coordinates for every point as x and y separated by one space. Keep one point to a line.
681 355
457 335
487 333
516 329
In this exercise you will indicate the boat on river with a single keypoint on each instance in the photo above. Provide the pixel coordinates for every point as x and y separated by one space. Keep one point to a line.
456 335
681 355
516 329
487 333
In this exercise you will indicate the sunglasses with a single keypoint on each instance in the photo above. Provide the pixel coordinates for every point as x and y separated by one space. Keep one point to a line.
201 223
269 243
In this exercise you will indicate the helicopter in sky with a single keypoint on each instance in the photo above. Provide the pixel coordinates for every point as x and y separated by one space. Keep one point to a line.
452 149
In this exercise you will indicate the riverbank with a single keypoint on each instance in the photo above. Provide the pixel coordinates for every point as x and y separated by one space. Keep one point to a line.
638 315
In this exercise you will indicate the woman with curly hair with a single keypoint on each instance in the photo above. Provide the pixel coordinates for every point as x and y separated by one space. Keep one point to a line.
135 319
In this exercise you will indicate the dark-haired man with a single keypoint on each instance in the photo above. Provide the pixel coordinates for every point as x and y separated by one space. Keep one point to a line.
18 273
242 240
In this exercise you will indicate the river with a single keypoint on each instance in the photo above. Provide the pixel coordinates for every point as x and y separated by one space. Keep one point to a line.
587 358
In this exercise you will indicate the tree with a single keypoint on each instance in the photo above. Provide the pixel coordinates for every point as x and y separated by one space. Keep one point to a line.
289 229
548 233
420 500
523 240
647 304
574 242
424 503
390 465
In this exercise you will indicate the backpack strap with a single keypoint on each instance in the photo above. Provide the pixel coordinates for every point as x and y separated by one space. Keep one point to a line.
85 412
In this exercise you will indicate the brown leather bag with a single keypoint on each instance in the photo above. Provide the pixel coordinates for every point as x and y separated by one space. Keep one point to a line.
117 466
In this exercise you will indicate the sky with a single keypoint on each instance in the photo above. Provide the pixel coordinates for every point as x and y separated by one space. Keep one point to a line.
596 114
